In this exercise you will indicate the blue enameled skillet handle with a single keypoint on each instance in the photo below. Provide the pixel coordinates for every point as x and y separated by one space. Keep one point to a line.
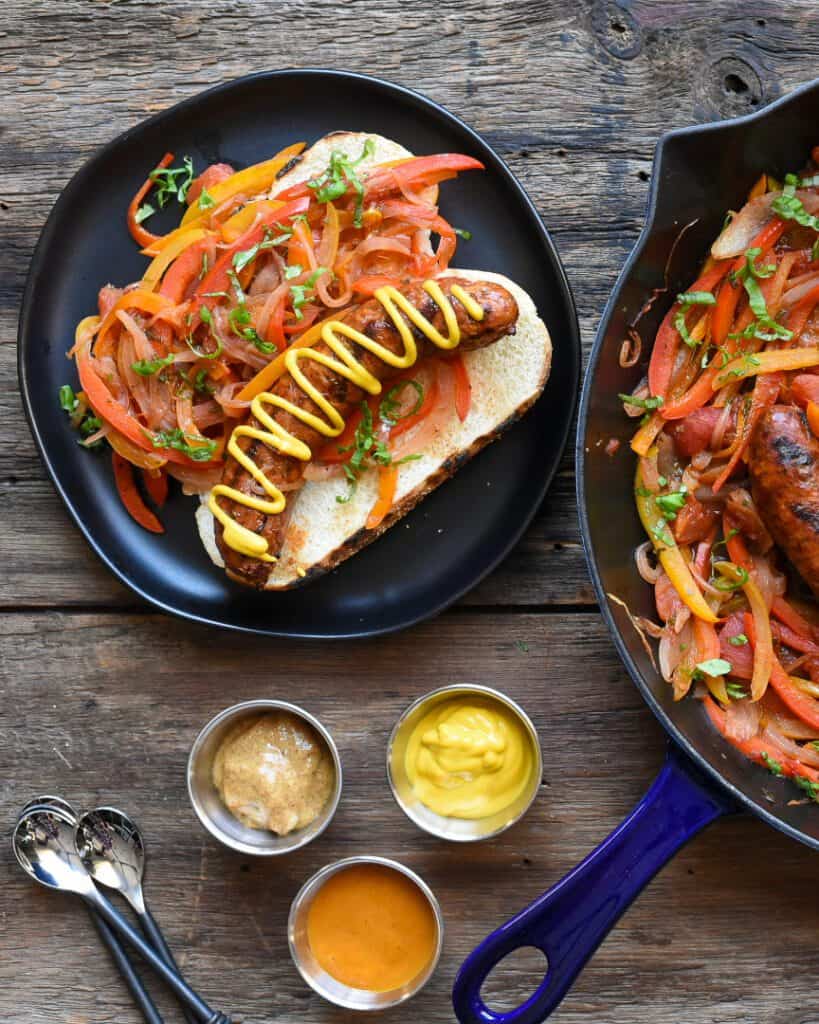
570 921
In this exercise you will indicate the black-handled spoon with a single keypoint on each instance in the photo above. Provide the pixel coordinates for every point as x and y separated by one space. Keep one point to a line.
44 844
112 851
132 980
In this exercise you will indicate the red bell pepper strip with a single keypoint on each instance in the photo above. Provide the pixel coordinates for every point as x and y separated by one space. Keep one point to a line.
463 388
735 543
701 390
419 172
790 616
765 393
126 486
667 342
156 484
757 749
217 280
108 408
801 704
184 270
138 232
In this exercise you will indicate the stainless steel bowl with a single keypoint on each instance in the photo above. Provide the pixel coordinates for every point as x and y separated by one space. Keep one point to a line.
459 830
208 805
325 984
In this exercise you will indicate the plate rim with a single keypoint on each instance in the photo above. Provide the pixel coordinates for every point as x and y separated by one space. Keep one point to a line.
570 340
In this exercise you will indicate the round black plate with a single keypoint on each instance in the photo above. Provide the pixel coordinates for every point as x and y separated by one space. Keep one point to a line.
462 530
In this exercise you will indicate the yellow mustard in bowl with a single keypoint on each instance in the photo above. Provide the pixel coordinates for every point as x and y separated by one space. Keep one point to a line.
469 758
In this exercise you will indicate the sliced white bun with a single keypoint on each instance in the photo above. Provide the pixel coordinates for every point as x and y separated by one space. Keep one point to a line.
314 161
506 379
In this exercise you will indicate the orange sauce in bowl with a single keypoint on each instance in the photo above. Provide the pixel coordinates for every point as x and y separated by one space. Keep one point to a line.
370 927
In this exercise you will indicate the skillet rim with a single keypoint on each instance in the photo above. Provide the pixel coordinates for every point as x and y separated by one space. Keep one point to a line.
671 728
570 340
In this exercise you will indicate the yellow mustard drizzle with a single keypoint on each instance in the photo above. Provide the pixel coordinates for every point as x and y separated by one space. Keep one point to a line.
403 314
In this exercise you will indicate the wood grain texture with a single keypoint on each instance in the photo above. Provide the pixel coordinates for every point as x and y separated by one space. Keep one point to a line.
102 699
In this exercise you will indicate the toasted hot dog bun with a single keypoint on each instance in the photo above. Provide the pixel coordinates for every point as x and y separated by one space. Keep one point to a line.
506 379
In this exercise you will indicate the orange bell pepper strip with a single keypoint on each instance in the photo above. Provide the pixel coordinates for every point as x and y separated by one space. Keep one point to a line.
168 254
463 388
252 180
138 232
812 412
387 484
667 342
126 486
146 301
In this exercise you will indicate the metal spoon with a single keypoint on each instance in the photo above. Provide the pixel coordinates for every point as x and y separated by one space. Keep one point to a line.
45 847
47 803
111 849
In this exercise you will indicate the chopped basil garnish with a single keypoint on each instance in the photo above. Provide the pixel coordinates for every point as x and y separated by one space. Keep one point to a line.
68 400
463 233
172 182
687 300
726 584
206 317
340 175
201 450
671 504
144 212
642 403
300 292
148 367
205 200
735 691
390 403
789 207
366 448
715 667
740 640
772 765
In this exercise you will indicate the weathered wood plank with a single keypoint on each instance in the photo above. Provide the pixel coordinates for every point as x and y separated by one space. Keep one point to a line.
574 97
76 720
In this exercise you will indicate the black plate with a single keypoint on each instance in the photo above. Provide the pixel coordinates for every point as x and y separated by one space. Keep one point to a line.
461 531
699 173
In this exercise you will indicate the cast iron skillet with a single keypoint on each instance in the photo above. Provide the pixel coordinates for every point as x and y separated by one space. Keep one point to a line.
699 173
461 531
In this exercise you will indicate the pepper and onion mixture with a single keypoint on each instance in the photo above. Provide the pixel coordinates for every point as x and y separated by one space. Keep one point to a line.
170 364
726 484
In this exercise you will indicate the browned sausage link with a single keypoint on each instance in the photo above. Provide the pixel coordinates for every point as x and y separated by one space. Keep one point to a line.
500 316
783 459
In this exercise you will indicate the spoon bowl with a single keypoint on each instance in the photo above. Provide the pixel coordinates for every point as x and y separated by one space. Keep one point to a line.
43 844
112 851
47 802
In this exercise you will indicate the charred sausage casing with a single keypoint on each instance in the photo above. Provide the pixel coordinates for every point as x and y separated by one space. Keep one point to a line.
500 314
783 462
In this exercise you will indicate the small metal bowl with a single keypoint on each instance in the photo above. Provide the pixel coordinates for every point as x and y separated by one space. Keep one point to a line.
208 805
325 984
458 830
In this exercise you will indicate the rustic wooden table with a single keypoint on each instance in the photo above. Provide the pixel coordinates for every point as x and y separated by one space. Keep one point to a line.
102 696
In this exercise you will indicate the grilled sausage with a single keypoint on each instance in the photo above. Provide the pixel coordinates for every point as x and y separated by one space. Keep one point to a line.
500 316
783 462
